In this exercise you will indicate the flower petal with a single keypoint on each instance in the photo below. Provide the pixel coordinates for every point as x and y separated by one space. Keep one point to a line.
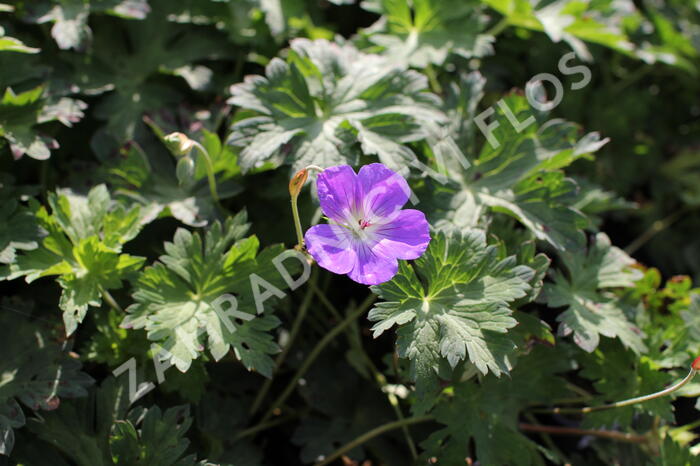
384 191
339 192
406 236
332 247
372 267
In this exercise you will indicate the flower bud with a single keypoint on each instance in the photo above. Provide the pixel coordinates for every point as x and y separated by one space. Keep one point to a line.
179 144
185 171
696 364
297 182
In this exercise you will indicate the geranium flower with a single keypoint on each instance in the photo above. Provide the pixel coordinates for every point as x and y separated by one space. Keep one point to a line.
368 230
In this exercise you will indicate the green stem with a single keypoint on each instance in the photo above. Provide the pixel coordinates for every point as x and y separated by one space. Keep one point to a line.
43 179
315 353
620 404
263 426
608 434
296 326
326 302
367 436
393 401
297 222
657 227
378 376
498 27
432 77
109 299
210 171
631 78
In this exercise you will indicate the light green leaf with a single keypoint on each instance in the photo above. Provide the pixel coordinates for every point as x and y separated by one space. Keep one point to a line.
10 44
327 96
425 32
18 114
70 29
576 22
180 300
520 175
453 304
83 245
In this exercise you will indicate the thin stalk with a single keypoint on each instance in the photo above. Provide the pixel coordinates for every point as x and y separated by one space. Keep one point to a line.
367 436
210 170
43 179
498 27
608 434
657 227
393 401
314 167
315 353
579 390
297 222
263 426
378 376
433 79
295 186
326 302
109 299
631 78
631 401
547 439
296 326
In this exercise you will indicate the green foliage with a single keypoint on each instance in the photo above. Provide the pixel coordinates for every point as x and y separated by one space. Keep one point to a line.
607 23
616 374
19 113
427 31
323 99
153 183
453 304
180 300
131 131
160 440
487 413
18 227
70 27
11 44
82 247
520 175
674 454
39 375
101 430
591 310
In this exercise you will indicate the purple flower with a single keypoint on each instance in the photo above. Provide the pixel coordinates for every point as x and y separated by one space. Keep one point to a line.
368 231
